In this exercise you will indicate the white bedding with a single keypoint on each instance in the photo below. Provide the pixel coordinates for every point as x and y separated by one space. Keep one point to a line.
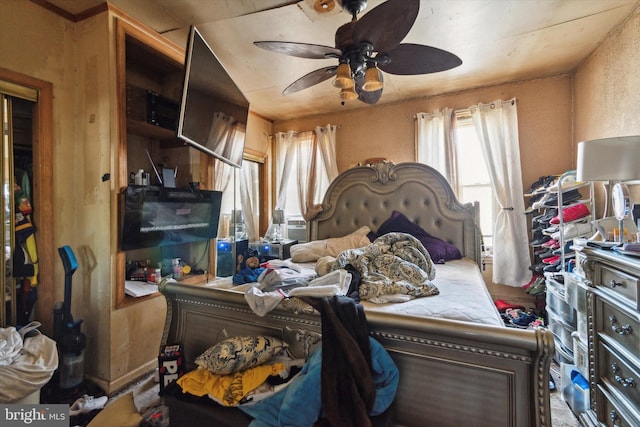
463 295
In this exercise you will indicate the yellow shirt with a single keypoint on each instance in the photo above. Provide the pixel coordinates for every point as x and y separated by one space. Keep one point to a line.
228 390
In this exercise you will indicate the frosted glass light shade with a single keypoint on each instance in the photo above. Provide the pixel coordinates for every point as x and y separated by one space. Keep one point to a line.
372 80
609 159
348 94
343 77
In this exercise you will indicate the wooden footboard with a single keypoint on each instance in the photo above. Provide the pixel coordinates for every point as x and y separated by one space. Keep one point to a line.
451 373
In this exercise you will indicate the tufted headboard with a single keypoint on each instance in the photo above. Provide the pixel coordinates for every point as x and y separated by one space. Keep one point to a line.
367 195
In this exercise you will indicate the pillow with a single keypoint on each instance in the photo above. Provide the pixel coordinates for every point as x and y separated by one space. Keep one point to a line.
239 353
355 240
309 251
313 251
439 250
121 413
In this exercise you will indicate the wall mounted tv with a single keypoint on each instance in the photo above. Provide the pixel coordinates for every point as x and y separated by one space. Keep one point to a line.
160 216
213 111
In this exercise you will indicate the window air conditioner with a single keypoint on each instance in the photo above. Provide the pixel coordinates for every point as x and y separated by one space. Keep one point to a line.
297 229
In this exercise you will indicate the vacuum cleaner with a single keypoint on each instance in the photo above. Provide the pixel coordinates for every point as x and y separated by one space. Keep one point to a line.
67 332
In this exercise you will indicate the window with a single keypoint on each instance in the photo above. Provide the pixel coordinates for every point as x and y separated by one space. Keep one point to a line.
305 149
232 201
474 183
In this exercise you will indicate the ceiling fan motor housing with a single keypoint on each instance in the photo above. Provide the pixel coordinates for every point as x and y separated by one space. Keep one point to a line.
354 6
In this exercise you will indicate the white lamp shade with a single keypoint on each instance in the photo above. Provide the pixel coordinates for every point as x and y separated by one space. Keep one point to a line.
609 159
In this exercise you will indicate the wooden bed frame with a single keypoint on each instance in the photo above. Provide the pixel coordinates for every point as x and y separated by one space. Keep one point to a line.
452 373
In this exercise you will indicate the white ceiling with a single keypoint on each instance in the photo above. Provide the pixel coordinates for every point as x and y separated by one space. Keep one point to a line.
497 40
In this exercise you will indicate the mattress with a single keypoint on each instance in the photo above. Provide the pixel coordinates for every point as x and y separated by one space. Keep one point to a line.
463 295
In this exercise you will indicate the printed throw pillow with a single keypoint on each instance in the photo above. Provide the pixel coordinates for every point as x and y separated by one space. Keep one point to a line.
239 353
439 250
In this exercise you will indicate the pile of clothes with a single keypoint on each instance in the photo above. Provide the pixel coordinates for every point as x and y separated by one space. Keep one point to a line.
349 378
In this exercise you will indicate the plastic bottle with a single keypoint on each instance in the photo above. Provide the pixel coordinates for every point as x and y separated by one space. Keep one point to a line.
177 268
138 177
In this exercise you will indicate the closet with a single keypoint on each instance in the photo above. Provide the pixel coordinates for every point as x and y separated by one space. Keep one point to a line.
20 266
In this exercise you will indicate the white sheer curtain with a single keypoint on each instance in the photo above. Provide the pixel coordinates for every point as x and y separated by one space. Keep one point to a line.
307 163
222 175
286 154
435 143
286 151
497 127
221 133
327 143
249 198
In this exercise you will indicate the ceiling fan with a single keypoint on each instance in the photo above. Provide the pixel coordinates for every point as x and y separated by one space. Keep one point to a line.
364 48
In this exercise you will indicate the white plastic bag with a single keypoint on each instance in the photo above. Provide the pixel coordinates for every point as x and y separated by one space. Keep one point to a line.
10 345
31 369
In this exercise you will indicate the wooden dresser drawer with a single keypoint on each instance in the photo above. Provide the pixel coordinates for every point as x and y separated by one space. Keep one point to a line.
612 413
620 283
619 374
618 326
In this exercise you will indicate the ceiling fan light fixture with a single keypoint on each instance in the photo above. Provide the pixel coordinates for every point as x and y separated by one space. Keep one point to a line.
343 77
348 94
372 80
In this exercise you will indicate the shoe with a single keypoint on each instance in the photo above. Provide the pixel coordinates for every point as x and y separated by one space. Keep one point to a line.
502 305
567 197
572 213
574 230
549 214
567 249
539 268
536 279
537 288
551 260
568 183
533 280
87 404
541 203
547 254
553 268
541 240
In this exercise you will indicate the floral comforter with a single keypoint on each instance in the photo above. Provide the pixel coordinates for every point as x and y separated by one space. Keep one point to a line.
395 267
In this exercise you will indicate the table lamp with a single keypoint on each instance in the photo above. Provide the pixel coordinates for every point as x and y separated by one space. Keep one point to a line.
614 160
278 220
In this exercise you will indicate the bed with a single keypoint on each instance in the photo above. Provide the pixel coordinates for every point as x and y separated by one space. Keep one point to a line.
455 356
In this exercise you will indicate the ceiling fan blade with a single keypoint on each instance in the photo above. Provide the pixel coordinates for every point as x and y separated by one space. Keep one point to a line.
409 59
386 25
365 96
301 50
311 79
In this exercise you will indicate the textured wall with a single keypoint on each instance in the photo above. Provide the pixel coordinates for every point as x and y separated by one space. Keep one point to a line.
607 86
607 90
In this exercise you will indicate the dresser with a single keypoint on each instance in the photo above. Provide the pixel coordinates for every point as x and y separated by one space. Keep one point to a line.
613 334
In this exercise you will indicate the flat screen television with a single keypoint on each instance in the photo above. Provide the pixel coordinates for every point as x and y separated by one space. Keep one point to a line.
213 111
160 216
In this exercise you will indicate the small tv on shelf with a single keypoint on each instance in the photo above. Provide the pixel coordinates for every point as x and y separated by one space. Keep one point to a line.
159 216
213 110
